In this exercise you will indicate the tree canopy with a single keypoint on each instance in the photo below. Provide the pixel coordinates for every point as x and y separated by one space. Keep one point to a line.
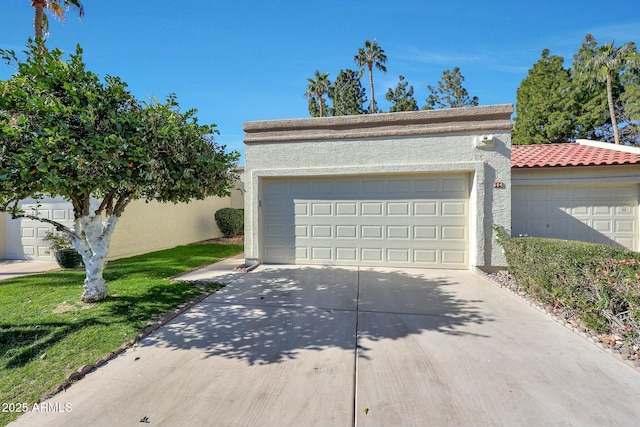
67 133
316 89
596 98
607 65
347 94
401 97
57 7
450 93
542 103
369 56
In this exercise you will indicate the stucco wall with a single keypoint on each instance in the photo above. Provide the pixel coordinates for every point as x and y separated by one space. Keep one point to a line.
2 234
415 142
146 227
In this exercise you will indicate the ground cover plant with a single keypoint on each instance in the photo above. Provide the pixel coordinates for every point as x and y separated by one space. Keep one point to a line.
597 284
46 333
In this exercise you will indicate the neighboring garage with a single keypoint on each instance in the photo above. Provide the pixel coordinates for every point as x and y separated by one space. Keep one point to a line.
577 191
24 238
420 189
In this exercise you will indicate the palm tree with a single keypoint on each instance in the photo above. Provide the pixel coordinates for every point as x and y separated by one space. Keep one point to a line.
58 7
371 54
317 88
609 61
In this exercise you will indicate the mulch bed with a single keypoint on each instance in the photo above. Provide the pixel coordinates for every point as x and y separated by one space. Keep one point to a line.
235 240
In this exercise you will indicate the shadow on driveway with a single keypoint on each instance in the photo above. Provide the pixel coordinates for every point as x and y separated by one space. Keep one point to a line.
273 313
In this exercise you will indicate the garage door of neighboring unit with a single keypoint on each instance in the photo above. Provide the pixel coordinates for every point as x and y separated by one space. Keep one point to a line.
25 237
597 214
419 221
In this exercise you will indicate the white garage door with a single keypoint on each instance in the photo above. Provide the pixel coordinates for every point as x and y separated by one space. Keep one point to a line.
597 214
419 221
25 237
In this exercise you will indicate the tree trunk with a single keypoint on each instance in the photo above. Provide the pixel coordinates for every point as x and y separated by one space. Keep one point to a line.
38 17
321 102
373 97
94 247
95 287
612 111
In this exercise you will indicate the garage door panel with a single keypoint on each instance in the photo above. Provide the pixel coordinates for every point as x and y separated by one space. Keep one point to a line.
603 225
346 254
371 254
624 225
426 256
454 233
399 186
450 257
395 221
398 208
625 241
373 187
624 210
371 208
602 210
346 209
454 208
398 232
425 232
425 208
371 231
575 210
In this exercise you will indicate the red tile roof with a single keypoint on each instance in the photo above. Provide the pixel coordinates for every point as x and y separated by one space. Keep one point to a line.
569 154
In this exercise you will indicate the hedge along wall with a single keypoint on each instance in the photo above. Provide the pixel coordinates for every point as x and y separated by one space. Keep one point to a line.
598 283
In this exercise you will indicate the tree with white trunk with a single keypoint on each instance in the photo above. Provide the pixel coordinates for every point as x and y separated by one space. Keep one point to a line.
65 132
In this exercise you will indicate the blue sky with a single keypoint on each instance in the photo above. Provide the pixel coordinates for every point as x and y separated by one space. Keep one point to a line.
238 61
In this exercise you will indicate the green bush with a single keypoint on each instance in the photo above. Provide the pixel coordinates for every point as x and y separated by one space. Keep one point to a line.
599 283
230 221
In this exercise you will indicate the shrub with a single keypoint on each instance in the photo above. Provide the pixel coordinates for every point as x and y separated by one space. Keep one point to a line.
230 221
598 283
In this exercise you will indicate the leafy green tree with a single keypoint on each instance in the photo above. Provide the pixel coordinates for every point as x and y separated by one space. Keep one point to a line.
371 55
629 100
606 66
347 94
543 113
57 7
450 93
64 132
588 98
402 97
316 89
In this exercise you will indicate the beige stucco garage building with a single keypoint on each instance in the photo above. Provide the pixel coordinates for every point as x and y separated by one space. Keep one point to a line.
420 189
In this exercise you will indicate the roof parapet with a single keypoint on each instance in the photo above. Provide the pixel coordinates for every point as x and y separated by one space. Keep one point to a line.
412 123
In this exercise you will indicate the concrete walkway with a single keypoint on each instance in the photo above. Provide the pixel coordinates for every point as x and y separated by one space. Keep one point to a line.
320 346
16 268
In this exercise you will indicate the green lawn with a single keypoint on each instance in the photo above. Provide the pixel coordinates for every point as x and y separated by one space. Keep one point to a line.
46 333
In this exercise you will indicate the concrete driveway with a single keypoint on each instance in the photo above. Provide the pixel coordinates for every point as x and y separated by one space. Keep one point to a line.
329 346
17 268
